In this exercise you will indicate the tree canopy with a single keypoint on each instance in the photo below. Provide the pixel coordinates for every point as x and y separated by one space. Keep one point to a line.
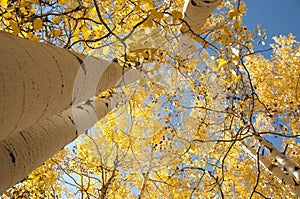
206 121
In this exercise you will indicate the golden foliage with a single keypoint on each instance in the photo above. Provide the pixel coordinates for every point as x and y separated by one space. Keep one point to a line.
180 135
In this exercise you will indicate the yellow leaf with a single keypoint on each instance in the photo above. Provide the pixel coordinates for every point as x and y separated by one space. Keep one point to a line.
235 59
159 77
200 40
159 15
56 33
146 55
37 24
3 3
86 4
61 2
236 25
8 194
56 20
15 27
215 68
226 30
176 14
222 63
231 15
85 32
237 78
223 39
148 22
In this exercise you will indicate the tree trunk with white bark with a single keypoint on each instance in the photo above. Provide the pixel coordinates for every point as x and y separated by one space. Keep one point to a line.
22 152
39 80
42 84
285 162
273 169
41 90
195 14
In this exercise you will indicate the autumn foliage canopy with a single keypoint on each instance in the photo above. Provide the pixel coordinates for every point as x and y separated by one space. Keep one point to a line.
205 121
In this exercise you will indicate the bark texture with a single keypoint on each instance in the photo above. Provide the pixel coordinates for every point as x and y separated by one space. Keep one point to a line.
285 162
41 97
22 152
195 14
41 87
37 81
273 169
34 78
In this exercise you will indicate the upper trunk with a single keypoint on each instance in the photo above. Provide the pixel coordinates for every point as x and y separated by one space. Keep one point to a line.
196 13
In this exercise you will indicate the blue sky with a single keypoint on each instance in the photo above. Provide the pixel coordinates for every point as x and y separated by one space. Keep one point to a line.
278 17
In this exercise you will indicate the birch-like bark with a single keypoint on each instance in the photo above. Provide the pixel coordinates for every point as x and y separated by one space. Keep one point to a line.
285 162
46 130
40 83
22 152
195 14
37 81
273 169
34 77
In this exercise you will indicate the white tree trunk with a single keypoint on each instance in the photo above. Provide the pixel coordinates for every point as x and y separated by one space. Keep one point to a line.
40 83
195 14
37 81
22 152
285 162
273 169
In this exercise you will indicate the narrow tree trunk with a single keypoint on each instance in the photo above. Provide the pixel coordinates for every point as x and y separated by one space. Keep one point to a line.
273 169
196 13
285 162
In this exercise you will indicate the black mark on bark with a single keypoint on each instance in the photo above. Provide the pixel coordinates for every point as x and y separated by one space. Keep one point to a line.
71 119
271 150
79 60
89 102
21 133
12 157
80 107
